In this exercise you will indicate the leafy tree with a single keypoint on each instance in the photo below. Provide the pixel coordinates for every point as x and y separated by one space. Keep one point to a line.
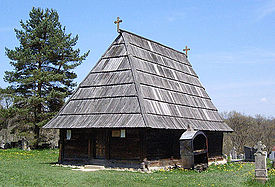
43 67
6 110
248 131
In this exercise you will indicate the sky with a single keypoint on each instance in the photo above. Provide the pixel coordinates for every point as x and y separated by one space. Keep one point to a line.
232 41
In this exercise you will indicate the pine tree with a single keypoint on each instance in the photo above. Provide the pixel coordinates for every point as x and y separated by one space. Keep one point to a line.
43 67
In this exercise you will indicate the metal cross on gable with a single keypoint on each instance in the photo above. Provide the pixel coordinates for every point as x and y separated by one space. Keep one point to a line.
117 22
186 49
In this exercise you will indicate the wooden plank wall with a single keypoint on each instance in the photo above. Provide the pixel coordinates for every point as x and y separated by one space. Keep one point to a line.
128 148
162 143
138 144
84 144
77 147
215 143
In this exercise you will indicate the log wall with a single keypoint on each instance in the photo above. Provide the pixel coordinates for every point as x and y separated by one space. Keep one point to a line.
126 148
162 143
77 147
99 144
138 144
215 143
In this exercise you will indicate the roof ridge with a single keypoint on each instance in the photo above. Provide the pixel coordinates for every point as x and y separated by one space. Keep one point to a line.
121 31
137 84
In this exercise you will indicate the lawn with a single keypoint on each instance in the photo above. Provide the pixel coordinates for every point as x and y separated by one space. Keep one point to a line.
35 168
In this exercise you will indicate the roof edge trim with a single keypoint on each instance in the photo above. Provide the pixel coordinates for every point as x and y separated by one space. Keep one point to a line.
121 31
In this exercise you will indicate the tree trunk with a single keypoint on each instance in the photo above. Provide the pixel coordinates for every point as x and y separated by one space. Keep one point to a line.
38 110
37 136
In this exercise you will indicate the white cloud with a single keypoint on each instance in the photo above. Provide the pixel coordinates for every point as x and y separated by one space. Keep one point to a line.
264 100
267 9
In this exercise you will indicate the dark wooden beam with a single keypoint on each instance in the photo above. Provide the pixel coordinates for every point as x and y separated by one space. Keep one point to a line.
61 145
107 148
60 154
141 136
89 147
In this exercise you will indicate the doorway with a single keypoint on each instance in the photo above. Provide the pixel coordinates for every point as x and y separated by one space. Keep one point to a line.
100 144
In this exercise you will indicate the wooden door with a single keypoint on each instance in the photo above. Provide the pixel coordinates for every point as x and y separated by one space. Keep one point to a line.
100 144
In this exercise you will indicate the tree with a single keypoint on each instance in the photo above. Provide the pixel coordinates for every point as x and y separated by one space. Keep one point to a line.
43 67
7 112
248 131
5 99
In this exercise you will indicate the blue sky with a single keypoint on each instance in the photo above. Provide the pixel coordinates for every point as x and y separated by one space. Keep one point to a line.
232 41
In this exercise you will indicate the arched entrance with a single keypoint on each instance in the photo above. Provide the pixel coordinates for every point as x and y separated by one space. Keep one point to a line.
193 149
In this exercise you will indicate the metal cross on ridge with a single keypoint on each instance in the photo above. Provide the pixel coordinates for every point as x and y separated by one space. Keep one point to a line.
186 49
117 22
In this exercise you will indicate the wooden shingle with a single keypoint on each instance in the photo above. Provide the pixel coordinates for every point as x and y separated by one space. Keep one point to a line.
139 83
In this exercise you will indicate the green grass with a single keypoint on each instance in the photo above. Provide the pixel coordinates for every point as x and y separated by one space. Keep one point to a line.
35 168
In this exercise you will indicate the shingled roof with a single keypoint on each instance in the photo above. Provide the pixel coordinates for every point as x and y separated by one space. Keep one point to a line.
139 83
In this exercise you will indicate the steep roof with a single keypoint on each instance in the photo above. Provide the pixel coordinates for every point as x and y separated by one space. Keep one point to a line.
140 83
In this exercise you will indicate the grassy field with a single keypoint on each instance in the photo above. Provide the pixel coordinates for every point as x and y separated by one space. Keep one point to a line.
35 168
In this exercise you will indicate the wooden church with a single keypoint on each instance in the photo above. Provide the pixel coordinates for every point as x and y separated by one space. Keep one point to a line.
135 104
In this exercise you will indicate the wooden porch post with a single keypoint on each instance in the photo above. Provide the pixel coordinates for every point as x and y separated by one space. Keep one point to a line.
61 146
142 135
60 154
107 152
89 147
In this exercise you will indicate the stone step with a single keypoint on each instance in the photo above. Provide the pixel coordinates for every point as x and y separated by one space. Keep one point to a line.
96 167
97 161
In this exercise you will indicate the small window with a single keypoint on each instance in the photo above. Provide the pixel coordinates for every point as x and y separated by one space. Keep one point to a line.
115 133
122 133
119 133
69 134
